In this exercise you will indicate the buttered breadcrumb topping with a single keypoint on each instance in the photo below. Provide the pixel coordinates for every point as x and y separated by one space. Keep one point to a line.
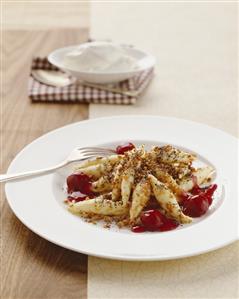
124 185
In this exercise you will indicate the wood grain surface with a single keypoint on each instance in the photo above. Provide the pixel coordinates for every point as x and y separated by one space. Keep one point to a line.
30 266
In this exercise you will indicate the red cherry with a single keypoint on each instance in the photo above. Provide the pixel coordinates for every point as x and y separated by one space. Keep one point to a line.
196 190
138 229
211 189
121 149
152 220
79 182
184 197
169 224
209 193
196 205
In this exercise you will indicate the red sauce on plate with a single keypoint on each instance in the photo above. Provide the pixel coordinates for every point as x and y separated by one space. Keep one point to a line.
121 149
154 220
79 182
197 202
138 229
76 197
79 187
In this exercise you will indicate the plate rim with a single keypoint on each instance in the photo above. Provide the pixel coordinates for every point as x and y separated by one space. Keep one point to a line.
122 116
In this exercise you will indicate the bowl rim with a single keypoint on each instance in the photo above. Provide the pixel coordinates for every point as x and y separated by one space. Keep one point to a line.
150 57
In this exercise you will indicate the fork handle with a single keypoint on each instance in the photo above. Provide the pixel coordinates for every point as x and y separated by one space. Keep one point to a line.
16 176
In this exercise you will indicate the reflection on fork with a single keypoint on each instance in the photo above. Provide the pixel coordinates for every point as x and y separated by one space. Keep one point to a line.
78 154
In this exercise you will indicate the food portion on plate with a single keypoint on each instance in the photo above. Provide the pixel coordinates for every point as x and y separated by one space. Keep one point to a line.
145 190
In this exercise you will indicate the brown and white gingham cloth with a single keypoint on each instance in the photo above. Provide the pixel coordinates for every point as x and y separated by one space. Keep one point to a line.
39 92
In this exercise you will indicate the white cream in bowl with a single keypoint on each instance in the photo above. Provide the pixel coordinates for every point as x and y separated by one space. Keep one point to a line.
100 57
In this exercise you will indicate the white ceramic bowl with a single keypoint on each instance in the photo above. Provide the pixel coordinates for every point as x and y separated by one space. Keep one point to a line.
145 61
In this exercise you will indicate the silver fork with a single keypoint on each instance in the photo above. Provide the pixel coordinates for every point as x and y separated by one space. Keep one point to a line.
78 154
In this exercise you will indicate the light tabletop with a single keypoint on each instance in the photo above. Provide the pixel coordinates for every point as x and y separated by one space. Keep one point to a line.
196 79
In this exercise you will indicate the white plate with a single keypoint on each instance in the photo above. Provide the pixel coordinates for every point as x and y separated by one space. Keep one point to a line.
37 202
144 59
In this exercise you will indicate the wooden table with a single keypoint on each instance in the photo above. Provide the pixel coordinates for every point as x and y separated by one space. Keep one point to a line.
31 266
